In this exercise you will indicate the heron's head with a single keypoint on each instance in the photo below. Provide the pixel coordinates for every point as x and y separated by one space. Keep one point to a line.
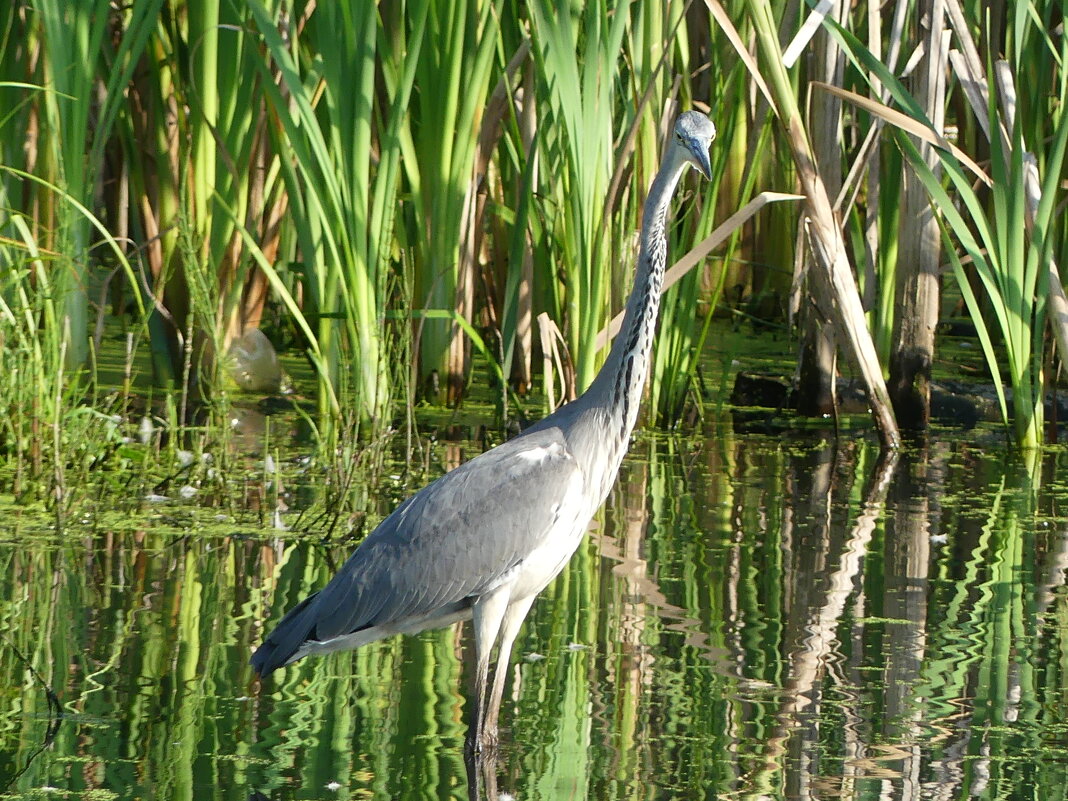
694 132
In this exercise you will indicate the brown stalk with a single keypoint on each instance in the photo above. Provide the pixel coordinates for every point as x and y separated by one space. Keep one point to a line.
816 395
907 124
700 252
522 350
866 159
554 352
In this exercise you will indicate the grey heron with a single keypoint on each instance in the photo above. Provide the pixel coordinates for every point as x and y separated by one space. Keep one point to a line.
483 540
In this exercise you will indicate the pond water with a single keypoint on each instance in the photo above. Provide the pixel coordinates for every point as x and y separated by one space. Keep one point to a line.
755 616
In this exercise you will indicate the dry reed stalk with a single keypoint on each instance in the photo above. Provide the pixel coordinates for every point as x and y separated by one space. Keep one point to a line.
700 252
816 395
918 279
522 350
554 353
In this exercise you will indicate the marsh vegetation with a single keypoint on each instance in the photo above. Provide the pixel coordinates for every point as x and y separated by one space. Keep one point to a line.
266 267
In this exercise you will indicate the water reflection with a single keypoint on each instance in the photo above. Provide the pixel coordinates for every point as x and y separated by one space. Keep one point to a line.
752 618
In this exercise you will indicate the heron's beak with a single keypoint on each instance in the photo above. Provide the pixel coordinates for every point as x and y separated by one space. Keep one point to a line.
702 162
699 156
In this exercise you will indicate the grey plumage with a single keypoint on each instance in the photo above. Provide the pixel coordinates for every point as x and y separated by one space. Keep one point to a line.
481 541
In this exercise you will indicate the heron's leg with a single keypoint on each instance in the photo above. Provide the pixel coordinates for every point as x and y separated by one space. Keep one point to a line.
486 615
513 619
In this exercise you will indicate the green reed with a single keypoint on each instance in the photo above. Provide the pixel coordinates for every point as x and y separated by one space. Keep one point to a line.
70 39
47 230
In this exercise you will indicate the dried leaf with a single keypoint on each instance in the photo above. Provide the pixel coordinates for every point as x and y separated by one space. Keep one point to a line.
700 251
907 124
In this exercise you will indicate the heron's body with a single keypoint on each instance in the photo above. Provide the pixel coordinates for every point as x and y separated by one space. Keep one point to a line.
483 540
413 573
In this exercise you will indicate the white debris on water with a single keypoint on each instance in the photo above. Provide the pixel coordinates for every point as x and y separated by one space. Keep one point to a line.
145 430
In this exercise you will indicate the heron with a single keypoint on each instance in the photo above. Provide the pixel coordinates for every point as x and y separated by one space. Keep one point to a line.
480 542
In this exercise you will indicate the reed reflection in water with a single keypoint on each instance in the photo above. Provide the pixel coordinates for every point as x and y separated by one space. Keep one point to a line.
752 618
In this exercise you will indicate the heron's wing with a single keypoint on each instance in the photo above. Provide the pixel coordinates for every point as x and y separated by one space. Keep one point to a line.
456 538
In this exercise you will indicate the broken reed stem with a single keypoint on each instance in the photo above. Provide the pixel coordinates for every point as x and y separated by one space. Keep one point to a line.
59 488
826 236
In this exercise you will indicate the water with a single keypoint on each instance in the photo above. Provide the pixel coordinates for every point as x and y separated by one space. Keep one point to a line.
754 617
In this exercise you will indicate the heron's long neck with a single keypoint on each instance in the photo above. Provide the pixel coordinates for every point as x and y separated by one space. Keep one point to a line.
622 378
